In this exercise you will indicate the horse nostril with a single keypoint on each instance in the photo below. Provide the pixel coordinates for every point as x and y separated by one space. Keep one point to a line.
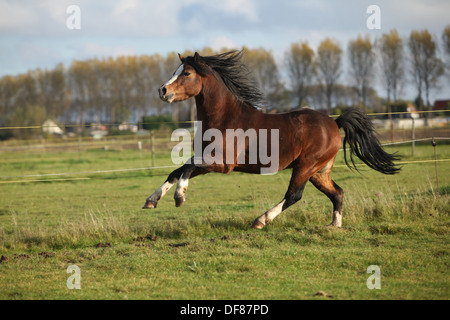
162 93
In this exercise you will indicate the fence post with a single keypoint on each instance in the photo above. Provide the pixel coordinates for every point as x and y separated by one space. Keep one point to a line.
140 151
392 129
152 137
413 137
435 164
79 146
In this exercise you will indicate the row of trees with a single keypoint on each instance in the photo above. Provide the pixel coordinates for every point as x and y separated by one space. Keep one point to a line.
112 90
420 62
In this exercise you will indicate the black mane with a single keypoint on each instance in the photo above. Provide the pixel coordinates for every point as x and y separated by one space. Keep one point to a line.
233 72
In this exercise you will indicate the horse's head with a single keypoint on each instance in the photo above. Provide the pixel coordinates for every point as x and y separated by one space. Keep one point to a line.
185 82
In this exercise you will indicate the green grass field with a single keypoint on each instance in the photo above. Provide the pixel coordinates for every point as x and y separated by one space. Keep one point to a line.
206 249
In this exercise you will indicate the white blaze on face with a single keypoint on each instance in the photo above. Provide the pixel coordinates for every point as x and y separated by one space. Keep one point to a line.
175 75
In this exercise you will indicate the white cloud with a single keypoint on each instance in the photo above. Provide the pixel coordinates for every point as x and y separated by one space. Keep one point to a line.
123 6
116 27
141 18
15 16
240 7
221 42
56 10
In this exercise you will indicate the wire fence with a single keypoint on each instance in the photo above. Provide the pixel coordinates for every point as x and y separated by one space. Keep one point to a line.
377 114
157 141
80 142
25 178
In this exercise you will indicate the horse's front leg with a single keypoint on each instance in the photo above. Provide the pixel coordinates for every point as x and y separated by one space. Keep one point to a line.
189 172
152 201
180 177
180 191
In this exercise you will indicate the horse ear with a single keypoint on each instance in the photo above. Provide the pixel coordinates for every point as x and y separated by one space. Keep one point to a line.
181 57
196 57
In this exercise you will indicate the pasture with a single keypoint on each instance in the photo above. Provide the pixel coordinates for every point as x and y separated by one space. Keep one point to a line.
206 248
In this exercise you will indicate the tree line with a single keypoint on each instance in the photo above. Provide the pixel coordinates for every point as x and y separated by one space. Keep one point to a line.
114 90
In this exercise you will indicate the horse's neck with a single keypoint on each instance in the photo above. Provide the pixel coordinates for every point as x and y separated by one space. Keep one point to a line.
215 104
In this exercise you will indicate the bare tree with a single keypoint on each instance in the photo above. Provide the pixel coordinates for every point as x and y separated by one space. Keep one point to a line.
301 67
80 90
362 58
426 66
146 71
446 40
6 97
265 71
317 96
390 51
329 63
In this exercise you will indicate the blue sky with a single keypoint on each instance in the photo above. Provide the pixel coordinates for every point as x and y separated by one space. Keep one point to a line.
33 33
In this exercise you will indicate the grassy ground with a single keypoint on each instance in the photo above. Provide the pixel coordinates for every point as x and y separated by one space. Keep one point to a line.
206 249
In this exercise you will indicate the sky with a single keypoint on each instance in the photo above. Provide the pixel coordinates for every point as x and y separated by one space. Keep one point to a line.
34 33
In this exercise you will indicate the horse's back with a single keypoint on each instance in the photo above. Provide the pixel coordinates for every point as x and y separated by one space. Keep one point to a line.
308 133
305 122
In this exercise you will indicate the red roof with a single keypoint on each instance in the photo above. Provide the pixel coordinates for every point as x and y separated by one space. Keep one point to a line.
440 104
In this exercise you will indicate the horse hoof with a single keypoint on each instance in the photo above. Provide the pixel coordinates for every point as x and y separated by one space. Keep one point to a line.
179 201
333 225
258 224
149 205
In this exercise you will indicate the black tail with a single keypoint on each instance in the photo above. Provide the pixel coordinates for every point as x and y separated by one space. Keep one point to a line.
360 136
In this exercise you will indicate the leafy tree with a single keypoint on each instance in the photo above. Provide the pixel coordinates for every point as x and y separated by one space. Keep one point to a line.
158 122
390 52
390 48
301 67
329 56
262 65
79 87
446 42
27 116
361 57
426 66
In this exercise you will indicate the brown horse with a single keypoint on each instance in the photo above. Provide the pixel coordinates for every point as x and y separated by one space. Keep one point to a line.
307 141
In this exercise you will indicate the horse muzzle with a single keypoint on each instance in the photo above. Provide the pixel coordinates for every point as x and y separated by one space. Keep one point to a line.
164 96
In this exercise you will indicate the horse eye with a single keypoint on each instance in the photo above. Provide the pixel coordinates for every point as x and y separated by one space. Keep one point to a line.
187 74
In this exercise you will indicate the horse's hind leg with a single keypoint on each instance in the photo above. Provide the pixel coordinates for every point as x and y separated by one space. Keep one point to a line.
293 194
322 181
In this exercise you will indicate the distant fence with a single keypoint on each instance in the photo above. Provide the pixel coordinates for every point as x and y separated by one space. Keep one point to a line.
159 141
6 179
104 174
408 114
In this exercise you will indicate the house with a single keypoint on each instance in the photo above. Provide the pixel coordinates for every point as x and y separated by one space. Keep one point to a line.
98 131
128 127
441 104
412 110
50 127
